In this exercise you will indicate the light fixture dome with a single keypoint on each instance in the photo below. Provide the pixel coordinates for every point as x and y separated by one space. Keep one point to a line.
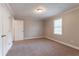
40 10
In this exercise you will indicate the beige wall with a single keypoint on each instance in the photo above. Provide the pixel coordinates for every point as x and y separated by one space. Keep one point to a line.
33 28
70 28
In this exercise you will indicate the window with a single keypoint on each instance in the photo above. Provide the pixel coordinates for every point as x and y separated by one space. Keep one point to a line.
58 26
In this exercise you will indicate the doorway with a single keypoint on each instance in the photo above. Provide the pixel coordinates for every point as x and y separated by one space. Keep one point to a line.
18 30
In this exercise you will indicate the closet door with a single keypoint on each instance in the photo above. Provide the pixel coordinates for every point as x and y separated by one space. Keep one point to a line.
5 29
19 31
0 31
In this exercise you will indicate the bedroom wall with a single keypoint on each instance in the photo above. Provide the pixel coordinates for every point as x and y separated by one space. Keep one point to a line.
70 35
33 28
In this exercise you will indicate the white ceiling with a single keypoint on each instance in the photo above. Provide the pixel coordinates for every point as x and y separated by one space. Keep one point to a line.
24 10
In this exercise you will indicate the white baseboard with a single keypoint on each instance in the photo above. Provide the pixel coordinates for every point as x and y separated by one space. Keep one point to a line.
67 44
34 37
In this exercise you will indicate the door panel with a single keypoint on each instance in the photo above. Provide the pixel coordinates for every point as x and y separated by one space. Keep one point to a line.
6 29
18 30
0 31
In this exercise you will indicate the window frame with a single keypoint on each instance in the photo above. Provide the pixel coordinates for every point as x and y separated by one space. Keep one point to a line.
60 29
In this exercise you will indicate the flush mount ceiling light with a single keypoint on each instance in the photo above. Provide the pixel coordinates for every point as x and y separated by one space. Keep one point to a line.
40 10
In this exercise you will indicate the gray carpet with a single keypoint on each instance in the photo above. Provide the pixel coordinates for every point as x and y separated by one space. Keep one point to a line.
40 47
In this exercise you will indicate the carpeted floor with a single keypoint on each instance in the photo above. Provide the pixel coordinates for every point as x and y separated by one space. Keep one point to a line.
41 47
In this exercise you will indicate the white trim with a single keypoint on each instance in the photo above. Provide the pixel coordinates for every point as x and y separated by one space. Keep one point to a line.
9 8
71 10
34 37
67 44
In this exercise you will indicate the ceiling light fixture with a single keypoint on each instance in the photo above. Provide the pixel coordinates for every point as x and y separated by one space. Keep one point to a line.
39 10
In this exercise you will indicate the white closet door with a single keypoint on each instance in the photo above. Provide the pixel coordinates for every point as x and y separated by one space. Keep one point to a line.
6 29
0 31
19 34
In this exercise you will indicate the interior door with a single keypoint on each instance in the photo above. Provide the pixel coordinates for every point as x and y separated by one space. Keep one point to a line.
6 30
18 30
0 38
0 33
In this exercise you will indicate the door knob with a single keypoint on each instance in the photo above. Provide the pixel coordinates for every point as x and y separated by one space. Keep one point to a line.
3 35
